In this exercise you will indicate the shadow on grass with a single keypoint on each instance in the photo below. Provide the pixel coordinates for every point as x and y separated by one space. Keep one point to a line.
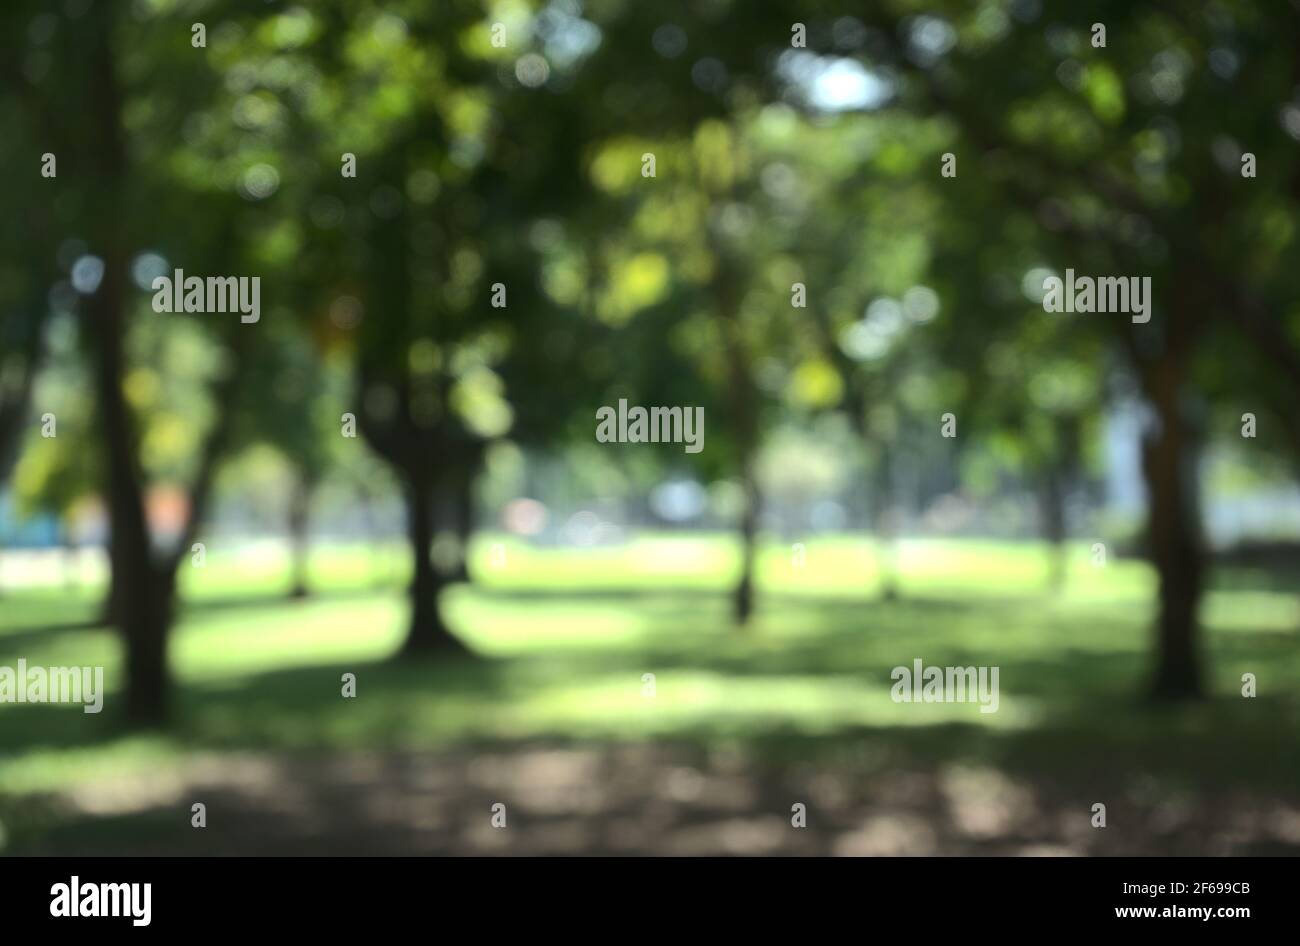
662 798
200 605
1077 676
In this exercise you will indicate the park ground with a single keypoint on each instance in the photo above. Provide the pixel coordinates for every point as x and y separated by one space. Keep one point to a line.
554 719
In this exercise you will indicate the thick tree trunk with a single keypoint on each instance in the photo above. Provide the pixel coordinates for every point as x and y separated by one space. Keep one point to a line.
428 634
141 599
1169 458
141 596
147 600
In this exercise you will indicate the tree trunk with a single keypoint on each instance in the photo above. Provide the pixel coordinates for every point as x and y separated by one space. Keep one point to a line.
742 404
140 597
147 601
1169 465
743 596
428 634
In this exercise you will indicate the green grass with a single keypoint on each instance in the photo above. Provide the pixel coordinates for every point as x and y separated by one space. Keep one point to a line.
565 637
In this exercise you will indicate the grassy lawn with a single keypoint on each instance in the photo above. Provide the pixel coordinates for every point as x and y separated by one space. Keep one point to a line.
565 637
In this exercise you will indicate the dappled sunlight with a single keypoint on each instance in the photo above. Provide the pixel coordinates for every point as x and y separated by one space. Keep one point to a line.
628 798
259 638
733 728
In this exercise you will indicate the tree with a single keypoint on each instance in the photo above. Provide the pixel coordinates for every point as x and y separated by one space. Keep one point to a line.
1132 159
105 172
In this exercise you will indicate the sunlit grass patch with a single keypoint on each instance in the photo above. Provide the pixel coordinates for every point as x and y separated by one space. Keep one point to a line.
566 637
